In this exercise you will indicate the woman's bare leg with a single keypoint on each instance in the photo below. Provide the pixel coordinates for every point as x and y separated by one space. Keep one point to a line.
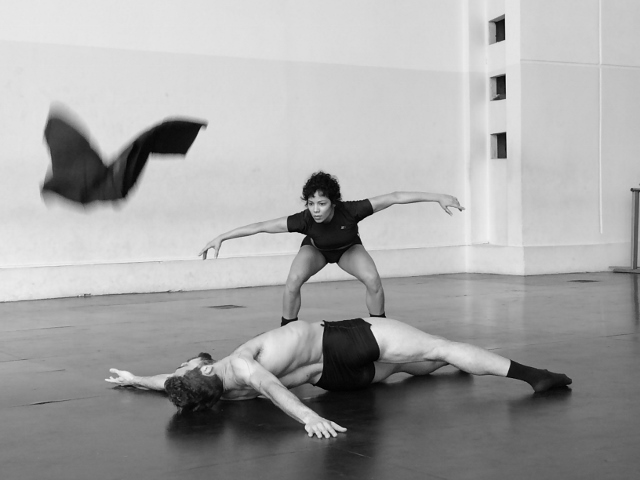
306 264
356 261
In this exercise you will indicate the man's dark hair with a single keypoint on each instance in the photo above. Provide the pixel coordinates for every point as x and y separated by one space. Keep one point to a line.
205 357
327 184
194 391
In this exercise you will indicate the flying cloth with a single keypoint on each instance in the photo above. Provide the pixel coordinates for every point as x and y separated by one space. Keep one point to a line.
79 174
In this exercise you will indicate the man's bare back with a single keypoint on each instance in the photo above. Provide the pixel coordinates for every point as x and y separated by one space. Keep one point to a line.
293 354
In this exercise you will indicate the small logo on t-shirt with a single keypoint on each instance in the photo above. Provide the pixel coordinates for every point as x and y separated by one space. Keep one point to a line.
343 227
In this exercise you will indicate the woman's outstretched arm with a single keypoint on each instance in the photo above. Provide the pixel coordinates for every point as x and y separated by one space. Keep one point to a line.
384 201
277 225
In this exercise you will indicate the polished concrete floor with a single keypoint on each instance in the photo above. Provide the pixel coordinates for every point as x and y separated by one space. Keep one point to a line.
60 420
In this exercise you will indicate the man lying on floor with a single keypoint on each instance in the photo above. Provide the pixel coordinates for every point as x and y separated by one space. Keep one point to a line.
342 355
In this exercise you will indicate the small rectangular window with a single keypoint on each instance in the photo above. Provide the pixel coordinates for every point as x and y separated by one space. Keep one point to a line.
496 30
499 87
499 145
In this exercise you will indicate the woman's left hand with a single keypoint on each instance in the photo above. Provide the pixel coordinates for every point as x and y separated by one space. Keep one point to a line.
450 201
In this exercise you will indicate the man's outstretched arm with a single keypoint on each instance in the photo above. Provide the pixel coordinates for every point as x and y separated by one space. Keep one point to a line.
257 377
128 379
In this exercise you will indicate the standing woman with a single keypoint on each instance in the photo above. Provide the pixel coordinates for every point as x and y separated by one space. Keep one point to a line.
331 229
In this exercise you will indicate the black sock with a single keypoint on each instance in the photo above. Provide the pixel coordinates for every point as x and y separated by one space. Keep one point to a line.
286 320
540 380
382 315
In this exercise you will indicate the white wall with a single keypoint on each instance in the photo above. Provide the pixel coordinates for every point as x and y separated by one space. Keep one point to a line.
620 80
376 33
361 89
387 95
579 87
560 202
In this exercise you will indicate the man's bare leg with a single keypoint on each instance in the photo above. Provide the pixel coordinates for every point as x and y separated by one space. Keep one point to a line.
385 370
402 343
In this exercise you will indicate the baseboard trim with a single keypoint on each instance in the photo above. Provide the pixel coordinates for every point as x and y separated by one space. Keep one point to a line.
41 282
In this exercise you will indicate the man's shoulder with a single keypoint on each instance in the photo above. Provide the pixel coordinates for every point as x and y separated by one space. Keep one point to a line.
240 364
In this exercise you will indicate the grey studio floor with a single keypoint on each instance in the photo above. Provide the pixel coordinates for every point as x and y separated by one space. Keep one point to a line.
60 420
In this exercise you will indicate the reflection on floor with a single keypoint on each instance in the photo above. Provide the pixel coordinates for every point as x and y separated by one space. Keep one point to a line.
60 420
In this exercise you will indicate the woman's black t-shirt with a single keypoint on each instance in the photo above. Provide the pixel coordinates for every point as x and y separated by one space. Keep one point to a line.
340 232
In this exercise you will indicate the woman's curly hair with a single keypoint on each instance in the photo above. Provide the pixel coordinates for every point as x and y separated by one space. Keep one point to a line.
194 391
327 184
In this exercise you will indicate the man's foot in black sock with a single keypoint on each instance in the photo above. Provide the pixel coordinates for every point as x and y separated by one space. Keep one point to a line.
549 380
540 380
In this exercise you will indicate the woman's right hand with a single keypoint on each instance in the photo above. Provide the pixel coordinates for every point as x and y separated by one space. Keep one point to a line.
213 244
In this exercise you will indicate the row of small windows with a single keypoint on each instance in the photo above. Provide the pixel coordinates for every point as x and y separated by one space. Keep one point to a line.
499 82
498 89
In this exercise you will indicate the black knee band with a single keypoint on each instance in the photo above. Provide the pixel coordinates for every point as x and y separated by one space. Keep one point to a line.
382 315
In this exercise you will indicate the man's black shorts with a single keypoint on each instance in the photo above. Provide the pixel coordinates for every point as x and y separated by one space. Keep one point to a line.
349 350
